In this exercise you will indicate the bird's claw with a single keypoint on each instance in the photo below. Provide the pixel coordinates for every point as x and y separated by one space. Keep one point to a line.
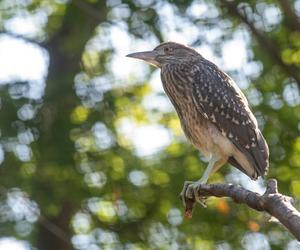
190 195
183 194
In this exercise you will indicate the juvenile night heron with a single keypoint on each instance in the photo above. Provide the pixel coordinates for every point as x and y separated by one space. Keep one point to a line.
213 111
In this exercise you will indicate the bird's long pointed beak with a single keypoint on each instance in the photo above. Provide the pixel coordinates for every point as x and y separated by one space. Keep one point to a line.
148 56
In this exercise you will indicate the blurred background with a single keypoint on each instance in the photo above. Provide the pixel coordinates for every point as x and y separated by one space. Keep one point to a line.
92 155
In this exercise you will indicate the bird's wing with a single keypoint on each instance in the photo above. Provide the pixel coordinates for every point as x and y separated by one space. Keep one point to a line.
217 97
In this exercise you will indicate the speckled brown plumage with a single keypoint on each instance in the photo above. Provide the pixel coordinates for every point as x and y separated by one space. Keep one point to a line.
213 112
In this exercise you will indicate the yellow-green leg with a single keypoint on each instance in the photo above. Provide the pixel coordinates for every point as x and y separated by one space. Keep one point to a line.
190 188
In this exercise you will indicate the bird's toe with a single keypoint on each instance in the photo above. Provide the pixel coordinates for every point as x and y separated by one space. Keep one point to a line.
192 192
183 194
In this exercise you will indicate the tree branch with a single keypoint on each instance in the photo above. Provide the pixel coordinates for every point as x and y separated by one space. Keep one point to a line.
21 37
262 38
91 11
290 16
272 202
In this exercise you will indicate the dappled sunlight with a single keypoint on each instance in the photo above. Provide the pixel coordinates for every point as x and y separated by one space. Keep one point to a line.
138 178
92 152
27 24
295 188
239 54
15 67
146 140
95 179
291 94
175 217
82 223
25 212
79 115
103 209
255 241
13 244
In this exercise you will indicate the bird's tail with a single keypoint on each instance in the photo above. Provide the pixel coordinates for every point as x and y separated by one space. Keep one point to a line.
260 154
257 158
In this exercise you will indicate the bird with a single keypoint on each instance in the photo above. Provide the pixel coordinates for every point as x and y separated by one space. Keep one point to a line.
213 112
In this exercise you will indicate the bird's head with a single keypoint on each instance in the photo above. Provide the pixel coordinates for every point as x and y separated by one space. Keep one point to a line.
164 53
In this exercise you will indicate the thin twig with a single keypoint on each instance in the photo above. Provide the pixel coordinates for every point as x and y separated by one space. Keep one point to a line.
21 37
262 38
43 221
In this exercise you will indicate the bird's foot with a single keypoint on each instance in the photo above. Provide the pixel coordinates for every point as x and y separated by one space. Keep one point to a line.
192 192
189 195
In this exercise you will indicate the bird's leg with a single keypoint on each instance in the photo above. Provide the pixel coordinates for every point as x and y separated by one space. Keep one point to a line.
190 188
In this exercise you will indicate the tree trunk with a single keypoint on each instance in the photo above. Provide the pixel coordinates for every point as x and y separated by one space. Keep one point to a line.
65 48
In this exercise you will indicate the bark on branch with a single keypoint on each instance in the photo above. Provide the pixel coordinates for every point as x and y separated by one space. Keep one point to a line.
272 202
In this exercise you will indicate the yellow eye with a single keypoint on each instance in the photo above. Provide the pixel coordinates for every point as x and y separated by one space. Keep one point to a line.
167 50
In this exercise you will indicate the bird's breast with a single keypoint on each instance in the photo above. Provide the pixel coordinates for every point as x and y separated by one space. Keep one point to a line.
199 130
194 125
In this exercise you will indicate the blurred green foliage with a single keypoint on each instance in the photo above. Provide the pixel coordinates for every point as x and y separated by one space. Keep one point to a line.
71 178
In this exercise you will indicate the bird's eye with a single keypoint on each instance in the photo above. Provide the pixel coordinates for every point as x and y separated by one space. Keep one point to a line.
167 50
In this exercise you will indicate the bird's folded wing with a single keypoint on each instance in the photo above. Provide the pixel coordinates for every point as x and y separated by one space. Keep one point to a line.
218 99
